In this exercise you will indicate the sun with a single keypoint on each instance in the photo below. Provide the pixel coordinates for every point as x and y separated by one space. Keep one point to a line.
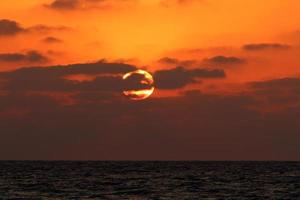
139 85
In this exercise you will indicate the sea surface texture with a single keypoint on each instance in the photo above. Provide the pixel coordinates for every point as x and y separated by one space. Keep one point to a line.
149 180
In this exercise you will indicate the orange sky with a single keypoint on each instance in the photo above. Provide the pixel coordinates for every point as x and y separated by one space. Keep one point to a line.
143 31
147 29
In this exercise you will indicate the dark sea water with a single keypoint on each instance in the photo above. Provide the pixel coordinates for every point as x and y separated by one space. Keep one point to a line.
149 180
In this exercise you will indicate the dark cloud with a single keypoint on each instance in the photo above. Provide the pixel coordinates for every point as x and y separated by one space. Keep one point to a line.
30 56
108 77
277 94
52 40
69 5
53 78
194 126
180 77
176 62
224 60
96 123
44 28
265 46
95 96
137 81
64 4
289 82
284 91
168 60
168 3
9 27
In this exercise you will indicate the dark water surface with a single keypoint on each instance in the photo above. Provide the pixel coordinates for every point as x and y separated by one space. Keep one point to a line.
149 180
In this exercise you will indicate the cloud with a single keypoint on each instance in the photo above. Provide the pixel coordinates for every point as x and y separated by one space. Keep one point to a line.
224 60
176 62
52 40
44 28
53 78
265 46
167 3
55 118
12 28
97 122
9 28
168 60
288 82
194 126
180 77
69 5
30 56
106 77
283 87
64 4
277 94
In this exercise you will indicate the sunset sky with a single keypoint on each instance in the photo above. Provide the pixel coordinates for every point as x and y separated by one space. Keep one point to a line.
226 72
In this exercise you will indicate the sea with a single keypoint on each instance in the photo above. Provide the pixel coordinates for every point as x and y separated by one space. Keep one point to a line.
141 180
